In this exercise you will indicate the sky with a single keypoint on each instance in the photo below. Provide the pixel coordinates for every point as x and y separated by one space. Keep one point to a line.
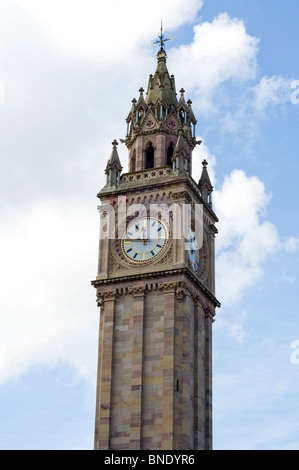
68 73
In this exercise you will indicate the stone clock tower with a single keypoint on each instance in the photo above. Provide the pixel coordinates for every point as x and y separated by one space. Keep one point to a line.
155 281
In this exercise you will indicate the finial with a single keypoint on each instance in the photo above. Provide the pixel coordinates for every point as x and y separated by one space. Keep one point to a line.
162 39
115 143
141 90
205 163
182 91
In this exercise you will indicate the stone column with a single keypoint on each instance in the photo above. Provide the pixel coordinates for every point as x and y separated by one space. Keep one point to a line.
138 294
169 289
103 411
199 375
209 316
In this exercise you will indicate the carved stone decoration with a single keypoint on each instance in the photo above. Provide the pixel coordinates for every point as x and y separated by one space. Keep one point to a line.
182 196
137 291
181 292
168 258
103 297
168 286
114 265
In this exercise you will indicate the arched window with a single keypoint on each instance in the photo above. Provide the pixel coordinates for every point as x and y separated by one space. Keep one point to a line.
170 153
149 156
133 161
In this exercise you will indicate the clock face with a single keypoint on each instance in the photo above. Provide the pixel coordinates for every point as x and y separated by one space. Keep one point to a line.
144 239
193 249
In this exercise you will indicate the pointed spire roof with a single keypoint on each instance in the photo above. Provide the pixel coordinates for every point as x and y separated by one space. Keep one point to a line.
114 161
205 181
161 86
141 103
182 102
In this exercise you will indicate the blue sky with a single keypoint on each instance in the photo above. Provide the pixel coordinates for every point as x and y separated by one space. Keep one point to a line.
68 73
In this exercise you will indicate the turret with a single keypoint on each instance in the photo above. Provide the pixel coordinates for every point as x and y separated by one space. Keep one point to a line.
205 185
113 168
161 128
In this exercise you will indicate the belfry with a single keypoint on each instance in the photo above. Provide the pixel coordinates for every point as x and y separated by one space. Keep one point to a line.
156 281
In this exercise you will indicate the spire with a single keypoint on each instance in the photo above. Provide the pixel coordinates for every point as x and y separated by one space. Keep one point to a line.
113 168
182 102
141 103
160 121
161 86
205 184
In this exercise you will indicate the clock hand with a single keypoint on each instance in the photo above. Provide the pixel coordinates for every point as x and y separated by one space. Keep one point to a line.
136 239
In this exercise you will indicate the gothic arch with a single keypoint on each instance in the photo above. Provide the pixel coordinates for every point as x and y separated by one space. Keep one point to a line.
169 155
149 156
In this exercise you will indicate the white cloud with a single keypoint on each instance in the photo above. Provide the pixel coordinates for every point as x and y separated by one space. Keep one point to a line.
271 91
246 239
48 310
231 329
221 50
108 30
254 105
291 244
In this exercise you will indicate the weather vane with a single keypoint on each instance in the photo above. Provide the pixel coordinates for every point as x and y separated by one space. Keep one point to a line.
162 39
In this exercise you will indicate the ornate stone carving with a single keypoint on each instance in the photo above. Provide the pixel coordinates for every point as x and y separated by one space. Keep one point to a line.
168 258
168 286
114 265
103 297
137 291
182 196
181 291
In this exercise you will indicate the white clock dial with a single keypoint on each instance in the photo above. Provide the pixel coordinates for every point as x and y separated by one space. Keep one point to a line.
144 240
193 249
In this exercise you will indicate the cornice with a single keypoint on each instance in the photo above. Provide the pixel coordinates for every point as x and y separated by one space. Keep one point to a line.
157 183
183 271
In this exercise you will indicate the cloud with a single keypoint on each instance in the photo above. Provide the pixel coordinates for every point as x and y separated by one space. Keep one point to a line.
290 244
271 91
221 50
108 30
48 311
246 239
255 104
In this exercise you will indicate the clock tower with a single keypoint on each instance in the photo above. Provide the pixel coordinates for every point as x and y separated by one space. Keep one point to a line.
156 281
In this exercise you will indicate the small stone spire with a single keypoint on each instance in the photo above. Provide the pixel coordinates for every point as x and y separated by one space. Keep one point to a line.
141 104
113 168
205 184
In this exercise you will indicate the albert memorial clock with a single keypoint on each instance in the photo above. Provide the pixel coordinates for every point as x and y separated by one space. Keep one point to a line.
155 282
